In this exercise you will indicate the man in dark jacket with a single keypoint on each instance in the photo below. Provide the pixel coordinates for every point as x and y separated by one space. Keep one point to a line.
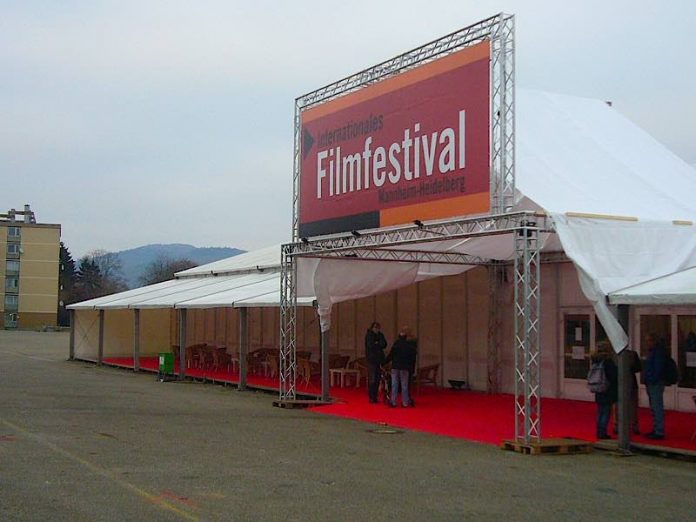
375 343
403 359
655 384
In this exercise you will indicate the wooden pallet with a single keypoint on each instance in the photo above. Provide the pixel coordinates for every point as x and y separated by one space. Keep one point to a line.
298 403
548 446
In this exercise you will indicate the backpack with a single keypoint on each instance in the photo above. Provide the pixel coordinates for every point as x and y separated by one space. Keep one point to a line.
597 380
671 376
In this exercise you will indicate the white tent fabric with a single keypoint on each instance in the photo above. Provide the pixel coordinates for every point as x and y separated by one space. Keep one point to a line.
612 254
198 292
580 155
574 155
217 285
678 288
262 290
592 160
123 299
249 279
263 259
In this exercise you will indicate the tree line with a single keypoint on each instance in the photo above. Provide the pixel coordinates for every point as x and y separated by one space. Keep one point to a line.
99 273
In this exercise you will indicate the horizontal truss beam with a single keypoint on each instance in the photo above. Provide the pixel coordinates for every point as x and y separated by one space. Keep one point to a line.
460 39
402 256
383 244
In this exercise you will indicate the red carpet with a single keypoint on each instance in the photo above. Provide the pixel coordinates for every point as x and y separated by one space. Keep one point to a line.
151 364
467 415
490 418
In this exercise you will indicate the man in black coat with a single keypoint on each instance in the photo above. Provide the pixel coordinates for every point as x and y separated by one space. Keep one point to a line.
403 359
375 343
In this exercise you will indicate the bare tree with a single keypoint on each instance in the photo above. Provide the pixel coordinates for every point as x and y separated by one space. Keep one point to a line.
100 274
163 268
109 264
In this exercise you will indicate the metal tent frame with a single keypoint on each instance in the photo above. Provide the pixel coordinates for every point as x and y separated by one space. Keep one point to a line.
396 244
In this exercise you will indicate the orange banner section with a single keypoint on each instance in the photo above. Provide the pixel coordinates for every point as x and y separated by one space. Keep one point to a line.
440 209
470 54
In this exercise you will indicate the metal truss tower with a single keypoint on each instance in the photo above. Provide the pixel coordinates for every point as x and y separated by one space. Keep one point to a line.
527 329
395 244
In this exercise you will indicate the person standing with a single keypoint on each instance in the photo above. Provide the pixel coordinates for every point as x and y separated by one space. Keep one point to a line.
403 359
605 399
375 343
655 384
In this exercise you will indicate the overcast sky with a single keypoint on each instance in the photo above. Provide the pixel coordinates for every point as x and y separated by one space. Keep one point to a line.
158 122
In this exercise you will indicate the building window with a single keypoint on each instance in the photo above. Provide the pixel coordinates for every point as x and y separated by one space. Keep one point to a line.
11 320
659 326
14 231
576 349
11 283
11 301
12 267
686 330
13 248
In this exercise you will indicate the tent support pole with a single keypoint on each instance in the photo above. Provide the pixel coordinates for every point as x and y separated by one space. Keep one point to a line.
325 366
71 354
288 324
100 353
527 333
182 343
136 340
624 405
243 347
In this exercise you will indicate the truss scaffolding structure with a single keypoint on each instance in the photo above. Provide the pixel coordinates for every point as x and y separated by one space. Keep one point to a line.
401 245
500 31
419 242
288 324
527 333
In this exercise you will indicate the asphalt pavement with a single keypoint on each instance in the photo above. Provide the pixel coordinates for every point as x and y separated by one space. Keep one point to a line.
81 442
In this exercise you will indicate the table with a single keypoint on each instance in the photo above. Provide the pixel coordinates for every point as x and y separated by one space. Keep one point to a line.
341 373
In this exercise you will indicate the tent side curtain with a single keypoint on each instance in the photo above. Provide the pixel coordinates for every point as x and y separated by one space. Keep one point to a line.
611 254
336 280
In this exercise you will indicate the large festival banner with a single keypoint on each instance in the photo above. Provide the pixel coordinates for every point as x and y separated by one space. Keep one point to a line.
415 146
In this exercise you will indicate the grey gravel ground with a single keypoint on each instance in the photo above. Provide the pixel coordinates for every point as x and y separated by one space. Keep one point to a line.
78 442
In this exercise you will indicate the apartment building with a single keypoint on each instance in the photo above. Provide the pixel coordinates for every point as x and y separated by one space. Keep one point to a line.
29 271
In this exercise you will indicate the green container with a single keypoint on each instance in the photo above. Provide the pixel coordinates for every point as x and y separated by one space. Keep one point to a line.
166 362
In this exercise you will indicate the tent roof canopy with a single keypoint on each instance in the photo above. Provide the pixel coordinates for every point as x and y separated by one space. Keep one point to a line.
263 259
242 290
678 288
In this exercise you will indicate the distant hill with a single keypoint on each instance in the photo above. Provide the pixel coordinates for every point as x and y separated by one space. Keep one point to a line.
135 260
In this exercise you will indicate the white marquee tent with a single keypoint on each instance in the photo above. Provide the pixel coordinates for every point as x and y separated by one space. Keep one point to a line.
620 202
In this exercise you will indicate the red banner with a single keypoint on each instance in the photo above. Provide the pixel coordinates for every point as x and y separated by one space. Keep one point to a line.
412 147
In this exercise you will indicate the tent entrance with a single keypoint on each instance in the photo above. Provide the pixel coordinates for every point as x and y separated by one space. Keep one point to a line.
353 265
